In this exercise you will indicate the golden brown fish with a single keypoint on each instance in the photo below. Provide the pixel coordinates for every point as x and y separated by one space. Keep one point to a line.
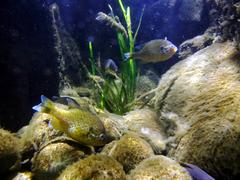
77 123
154 51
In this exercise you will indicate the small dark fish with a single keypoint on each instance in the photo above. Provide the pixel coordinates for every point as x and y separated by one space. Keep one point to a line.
110 64
154 51
196 172
66 101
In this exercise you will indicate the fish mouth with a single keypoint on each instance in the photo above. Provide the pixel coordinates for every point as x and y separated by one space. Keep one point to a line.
174 49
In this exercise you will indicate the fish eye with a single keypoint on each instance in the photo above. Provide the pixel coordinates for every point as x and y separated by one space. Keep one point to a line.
102 136
163 49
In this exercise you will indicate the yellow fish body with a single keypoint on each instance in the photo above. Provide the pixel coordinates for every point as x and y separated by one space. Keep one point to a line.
81 125
154 51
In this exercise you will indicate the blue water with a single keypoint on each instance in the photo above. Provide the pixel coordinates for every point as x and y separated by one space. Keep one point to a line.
28 58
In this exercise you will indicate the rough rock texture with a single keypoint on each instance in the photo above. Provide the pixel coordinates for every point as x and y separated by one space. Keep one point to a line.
52 159
193 77
213 145
9 150
36 134
228 18
113 123
159 167
130 150
145 123
202 93
224 17
95 167
195 44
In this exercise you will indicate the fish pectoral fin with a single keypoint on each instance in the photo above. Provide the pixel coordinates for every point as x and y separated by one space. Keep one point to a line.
56 124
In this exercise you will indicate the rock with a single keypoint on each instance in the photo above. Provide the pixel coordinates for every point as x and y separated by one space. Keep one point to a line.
211 74
198 98
213 145
52 159
76 92
227 20
159 167
145 83
96 167
130 150
114 124
195 44
9 151
145 123
37 133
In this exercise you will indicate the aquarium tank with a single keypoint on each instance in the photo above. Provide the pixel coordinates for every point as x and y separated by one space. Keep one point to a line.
120 89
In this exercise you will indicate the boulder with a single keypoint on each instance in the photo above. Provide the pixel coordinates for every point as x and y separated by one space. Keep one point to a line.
198 100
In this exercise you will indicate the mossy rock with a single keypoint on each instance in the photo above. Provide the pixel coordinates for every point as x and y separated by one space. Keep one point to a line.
130 150
9 151
214 146
36 134
203 86
159 167
52 159
145 123
94 167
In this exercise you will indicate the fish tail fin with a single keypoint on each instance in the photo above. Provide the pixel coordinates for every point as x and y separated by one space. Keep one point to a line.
127 56
45 106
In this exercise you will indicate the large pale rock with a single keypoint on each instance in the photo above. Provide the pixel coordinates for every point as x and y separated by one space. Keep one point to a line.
145 123
209 78
159 167
212 145
198 99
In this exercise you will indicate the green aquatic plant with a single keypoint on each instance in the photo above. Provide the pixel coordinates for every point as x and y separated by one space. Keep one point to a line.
91 58
117 92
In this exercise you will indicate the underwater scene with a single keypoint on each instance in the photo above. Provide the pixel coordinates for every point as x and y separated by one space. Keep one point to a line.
120 89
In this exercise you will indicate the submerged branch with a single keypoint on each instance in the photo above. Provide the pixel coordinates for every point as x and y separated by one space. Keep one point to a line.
102 17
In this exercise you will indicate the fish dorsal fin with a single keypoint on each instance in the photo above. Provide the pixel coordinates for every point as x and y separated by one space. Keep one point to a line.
139 46
165 38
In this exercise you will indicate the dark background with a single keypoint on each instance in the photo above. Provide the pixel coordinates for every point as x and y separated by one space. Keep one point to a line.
28 65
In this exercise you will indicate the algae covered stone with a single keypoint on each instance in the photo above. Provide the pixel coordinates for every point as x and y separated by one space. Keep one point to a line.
198 99
145 123
9 150
211 75
95 167
37 133
130 150
159 167
53 158
214 146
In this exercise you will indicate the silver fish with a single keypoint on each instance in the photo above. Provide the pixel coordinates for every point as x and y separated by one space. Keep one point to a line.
154 51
